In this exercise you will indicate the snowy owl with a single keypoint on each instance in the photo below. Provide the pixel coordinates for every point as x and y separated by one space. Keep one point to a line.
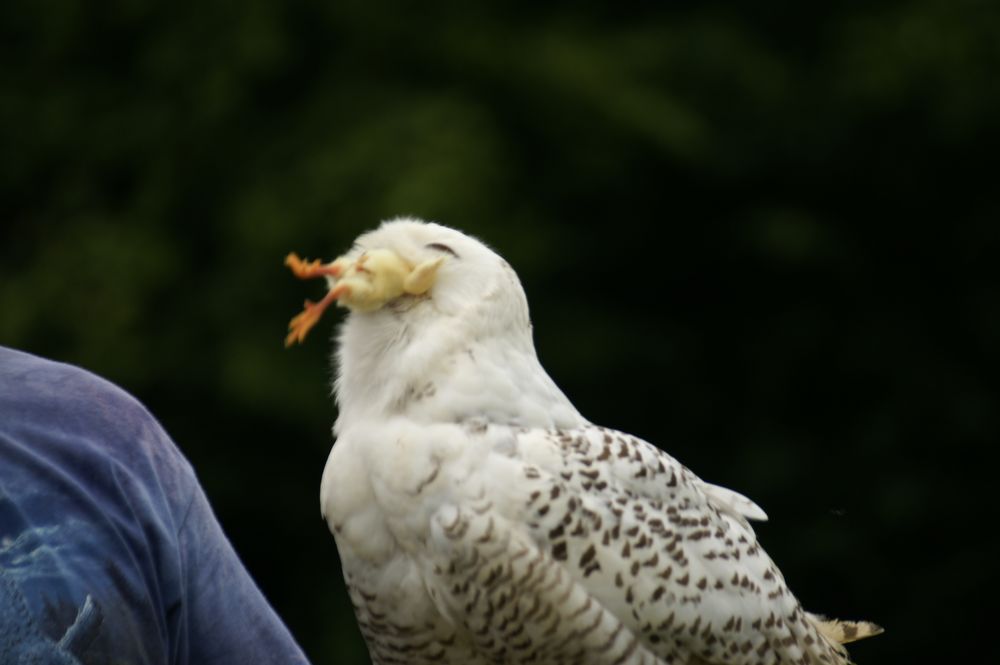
481 519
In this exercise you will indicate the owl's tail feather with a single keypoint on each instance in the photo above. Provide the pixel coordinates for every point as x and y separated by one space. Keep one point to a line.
842 632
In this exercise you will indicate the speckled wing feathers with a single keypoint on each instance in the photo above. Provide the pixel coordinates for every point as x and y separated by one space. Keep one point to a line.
605 551
670 555
418 638
517 603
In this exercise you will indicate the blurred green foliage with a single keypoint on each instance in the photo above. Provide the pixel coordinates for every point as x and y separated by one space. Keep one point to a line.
762 237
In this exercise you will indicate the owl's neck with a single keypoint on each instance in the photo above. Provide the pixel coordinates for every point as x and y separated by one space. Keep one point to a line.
437 369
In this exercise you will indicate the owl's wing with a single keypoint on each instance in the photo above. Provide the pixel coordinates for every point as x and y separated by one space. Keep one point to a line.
592 546
672 557
515 601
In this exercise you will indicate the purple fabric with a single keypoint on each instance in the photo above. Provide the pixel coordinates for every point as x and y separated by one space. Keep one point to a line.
109 551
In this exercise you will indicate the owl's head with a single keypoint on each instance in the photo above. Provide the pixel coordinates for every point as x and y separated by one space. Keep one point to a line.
408 270
437 329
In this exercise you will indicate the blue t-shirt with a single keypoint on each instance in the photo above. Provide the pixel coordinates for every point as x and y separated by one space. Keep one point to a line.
109 551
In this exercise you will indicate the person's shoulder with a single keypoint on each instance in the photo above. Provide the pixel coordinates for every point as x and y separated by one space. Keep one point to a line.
26 375
29 382
21 371
46 400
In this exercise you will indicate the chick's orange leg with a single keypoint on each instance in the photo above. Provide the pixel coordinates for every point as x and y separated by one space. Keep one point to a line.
300 326
309 269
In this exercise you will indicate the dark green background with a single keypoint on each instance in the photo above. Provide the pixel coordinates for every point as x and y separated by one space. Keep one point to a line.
815 322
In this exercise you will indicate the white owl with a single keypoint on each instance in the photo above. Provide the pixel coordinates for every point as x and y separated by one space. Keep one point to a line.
481 519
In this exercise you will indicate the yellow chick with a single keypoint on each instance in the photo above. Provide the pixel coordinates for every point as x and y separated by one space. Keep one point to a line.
364 284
